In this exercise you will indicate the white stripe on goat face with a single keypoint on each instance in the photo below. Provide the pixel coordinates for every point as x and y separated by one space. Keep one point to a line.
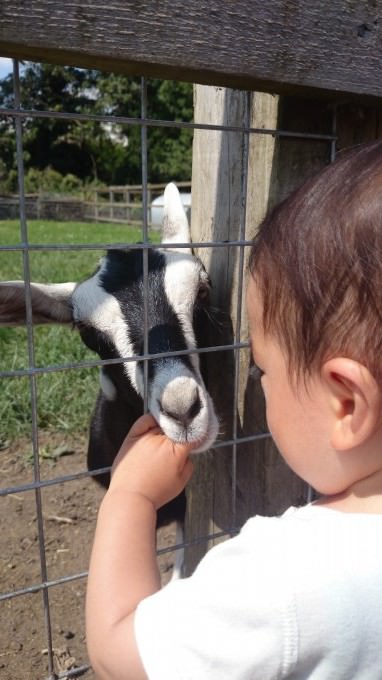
100 310
182 279
176 388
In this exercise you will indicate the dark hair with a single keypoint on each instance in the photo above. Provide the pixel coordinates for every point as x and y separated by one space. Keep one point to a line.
318 261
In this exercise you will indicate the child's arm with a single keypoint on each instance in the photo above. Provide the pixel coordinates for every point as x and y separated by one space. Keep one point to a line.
148 472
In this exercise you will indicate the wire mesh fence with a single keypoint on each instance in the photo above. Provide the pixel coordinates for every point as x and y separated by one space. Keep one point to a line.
49 579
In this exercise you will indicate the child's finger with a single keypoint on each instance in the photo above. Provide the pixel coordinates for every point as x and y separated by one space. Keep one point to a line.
182 451
142 425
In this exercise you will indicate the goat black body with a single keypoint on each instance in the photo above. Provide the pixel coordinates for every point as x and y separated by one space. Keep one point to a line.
112 419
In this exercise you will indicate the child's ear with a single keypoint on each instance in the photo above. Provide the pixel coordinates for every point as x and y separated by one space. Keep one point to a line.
356 402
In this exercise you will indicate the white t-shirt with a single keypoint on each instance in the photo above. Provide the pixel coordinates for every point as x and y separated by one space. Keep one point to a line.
299 596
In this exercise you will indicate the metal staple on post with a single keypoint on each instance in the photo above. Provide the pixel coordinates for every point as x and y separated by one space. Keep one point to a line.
32 371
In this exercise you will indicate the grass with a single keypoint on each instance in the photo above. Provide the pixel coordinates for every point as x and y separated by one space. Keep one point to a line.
64 398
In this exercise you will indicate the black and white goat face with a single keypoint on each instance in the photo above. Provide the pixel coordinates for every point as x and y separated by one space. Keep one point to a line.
108 309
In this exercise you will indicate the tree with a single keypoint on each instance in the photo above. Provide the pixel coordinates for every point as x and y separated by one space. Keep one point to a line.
91 150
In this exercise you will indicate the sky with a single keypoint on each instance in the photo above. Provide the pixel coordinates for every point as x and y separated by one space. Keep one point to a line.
5 67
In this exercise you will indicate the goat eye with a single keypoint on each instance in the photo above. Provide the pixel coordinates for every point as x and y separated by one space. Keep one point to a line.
203 294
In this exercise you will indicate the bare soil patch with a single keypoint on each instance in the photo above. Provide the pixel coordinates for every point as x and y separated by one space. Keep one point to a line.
69 513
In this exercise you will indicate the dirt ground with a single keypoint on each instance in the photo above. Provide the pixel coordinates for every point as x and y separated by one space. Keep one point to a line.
69 512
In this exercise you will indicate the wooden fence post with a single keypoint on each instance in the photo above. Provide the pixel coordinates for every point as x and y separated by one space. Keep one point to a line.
216 192
276 165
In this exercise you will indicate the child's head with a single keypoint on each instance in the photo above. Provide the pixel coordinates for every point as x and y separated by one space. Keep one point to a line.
317 263
315 311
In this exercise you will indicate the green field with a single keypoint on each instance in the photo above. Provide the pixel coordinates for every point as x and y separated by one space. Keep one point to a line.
65 398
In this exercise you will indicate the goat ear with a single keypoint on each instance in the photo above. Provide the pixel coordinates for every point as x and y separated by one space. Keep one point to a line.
51 303
175 223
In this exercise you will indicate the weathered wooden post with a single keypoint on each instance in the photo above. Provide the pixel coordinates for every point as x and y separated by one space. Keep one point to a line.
275 165
216 191
95 200
111 204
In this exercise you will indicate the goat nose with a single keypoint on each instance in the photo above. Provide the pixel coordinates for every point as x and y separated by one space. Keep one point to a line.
181 412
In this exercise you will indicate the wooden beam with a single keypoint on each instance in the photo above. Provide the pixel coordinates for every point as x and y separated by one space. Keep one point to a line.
331 47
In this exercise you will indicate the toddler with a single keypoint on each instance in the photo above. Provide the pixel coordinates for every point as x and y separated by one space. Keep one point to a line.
297 596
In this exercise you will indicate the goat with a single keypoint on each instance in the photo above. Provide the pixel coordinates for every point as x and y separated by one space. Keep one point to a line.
107 309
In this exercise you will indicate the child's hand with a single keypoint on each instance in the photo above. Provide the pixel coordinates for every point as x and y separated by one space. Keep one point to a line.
150 464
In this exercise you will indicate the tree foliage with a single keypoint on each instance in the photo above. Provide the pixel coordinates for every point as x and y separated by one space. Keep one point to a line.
93 151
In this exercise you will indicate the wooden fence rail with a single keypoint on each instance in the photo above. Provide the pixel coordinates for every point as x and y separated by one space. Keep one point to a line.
328 47
113 204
